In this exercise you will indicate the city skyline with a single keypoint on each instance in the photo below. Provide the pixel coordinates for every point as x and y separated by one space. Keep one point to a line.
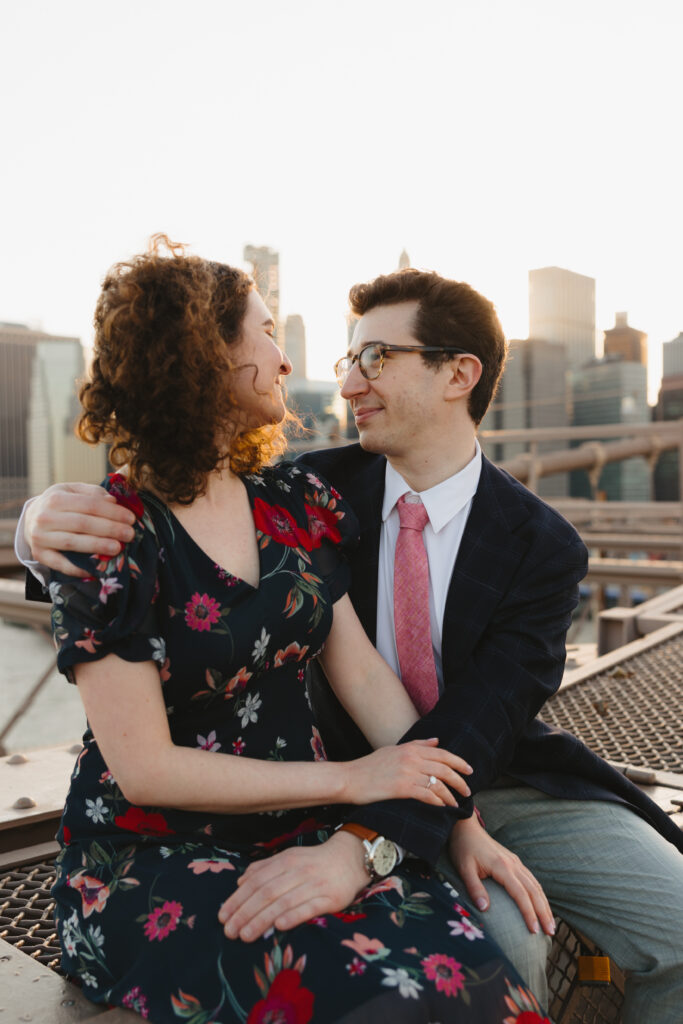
486 139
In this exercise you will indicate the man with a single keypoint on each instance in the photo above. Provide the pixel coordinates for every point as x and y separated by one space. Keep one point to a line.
504 570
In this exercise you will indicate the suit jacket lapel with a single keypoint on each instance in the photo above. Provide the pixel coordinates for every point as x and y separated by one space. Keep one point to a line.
365 496
489 554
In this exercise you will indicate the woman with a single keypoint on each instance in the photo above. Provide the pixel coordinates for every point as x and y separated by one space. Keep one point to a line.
189 650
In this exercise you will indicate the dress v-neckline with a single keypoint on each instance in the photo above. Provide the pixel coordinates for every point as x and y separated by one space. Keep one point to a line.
208 558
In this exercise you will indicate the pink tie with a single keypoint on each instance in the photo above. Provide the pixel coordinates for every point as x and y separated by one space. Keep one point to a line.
411 607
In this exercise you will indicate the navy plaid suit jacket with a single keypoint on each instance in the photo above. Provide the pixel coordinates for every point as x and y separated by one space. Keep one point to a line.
510 602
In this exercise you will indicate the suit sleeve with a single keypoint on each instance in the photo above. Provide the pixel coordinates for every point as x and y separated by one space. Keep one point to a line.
491 698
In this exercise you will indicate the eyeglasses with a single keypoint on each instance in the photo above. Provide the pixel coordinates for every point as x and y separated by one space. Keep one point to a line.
370 359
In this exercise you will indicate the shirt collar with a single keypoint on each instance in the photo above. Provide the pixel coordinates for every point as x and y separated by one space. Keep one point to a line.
443 501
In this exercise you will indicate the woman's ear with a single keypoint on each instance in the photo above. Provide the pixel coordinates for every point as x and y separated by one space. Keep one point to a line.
465 371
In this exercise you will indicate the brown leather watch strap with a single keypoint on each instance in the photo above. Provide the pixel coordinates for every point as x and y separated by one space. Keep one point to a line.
358 830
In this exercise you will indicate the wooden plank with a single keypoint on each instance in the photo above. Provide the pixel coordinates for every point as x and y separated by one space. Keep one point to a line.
30 993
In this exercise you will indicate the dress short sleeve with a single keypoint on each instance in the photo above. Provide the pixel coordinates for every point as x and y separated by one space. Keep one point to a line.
331 525
113 610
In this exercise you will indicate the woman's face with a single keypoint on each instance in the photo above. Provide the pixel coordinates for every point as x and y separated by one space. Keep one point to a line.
258 366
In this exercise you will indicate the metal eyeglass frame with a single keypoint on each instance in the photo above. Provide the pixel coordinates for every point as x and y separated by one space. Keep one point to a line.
343 366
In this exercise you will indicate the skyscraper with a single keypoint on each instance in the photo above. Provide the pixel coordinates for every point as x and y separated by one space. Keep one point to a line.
670 407
627 342
532 393
295 345
38 409
611 390
265 264
562 311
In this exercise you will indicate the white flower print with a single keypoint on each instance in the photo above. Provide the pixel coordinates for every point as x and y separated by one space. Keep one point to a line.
284 486
280 743
260 646
158 645
399 978
55 593
248 714
208 742
95 935
71 934
108 586
165 851
88 979
449 889
95 810
466 928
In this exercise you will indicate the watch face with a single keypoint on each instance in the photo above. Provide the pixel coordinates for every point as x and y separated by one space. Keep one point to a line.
384 857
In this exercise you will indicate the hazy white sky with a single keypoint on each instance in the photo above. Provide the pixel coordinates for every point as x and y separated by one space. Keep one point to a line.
485 136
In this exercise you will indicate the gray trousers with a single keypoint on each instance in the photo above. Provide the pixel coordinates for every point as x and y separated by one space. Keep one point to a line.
607 873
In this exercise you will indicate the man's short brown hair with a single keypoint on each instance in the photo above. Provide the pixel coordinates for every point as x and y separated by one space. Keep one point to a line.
450 313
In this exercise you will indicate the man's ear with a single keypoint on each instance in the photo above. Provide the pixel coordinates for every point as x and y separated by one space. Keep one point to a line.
464 375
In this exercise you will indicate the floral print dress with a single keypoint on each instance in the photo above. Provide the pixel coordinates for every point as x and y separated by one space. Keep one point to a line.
138 888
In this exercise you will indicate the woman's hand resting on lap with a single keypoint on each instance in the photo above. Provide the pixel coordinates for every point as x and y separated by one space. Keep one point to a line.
404 771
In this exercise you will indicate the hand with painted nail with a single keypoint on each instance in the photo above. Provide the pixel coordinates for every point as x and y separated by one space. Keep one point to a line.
477 855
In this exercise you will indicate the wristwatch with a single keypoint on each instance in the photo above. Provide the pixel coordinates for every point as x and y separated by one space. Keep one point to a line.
381 854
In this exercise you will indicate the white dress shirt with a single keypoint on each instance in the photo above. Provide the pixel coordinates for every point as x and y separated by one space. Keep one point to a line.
448 506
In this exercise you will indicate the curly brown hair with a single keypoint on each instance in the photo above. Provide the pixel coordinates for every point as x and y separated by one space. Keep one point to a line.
159 387
449 313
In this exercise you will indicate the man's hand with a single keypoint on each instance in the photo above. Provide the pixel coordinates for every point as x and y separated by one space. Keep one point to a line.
293 886
476 855
75 517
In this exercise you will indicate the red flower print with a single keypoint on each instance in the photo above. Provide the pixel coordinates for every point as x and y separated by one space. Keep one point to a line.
279 524
350 915
149 824
125 495
293 652
162 921
445 972
202 612
356 967
322 523
307 825
137 1001
287 1002
94 894
238 746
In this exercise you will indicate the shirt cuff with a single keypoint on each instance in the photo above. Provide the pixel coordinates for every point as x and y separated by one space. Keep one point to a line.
23 551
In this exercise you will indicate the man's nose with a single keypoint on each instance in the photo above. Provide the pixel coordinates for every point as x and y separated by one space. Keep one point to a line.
355 383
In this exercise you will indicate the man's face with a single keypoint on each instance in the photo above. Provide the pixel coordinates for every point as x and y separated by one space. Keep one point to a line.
397 412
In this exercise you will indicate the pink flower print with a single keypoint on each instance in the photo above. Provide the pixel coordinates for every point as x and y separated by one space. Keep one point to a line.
208 742
106 777
384 885
466 928
314 480
445 972
238 746
94 894
162 921
317 746
356 967
89 643
212 864
137 1001
320 921
202 612
369 949
108 585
